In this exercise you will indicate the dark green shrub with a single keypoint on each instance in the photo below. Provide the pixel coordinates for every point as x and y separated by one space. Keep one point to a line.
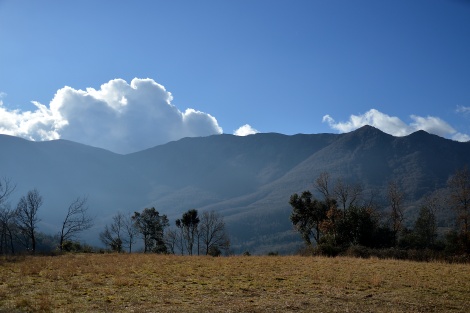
328 249
214 251
358 251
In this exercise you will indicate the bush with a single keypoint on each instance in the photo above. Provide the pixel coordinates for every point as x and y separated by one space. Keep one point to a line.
87 249
71 246
462 258
328 249
306 250
457 243
76 247
214 251
358 252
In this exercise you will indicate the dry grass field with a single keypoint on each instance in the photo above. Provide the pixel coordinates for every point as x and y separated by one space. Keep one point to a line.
156 283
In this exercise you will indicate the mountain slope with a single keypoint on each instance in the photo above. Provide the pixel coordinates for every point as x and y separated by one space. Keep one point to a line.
248 179
420 163
221 166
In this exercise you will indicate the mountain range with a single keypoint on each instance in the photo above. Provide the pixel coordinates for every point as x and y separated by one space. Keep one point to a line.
247 179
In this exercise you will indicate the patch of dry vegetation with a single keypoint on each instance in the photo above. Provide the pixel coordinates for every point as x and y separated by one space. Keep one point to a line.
158 283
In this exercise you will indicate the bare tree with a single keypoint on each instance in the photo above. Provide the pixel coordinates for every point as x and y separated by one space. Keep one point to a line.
112 235
370 200
212 232
171 240
459 199
110 239
180 236
6 189
7 216
433 201
346 194
395 198
26 216
322 185
7 230
76 221
130 231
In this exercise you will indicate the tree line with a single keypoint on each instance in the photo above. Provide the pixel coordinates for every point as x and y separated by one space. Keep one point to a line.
192 234
341 219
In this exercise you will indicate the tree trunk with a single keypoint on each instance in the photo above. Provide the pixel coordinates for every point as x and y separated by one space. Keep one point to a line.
33 242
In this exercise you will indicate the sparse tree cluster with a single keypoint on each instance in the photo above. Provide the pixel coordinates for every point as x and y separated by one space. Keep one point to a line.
338 220
124 230
341 218
194 234
19 225
120 234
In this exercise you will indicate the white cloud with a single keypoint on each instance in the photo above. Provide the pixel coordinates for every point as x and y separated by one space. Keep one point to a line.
395 126
431 124
119 116
389 124
463 109
37 125
245 130
461 137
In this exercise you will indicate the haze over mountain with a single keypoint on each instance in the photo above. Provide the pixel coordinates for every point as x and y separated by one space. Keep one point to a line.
248 179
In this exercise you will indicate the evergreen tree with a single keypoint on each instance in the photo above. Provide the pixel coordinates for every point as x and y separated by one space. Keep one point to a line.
307 216
151 225
189 223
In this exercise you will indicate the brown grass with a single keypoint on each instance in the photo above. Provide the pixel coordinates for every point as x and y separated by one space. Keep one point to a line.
155 283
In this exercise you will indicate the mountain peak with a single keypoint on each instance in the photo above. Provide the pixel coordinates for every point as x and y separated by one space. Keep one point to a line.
368 129
367 133
421 134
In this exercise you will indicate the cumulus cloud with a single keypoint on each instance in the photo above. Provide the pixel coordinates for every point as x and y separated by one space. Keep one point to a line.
245 130
41 124
119 116
395 126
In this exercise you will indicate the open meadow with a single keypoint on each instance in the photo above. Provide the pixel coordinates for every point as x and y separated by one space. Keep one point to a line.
168 283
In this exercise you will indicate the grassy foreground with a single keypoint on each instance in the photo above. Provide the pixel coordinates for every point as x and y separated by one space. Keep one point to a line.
156 283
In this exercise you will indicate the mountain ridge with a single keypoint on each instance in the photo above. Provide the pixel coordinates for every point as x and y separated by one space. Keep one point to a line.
248 179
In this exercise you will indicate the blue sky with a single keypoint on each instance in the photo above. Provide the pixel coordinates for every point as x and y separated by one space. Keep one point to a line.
280 66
